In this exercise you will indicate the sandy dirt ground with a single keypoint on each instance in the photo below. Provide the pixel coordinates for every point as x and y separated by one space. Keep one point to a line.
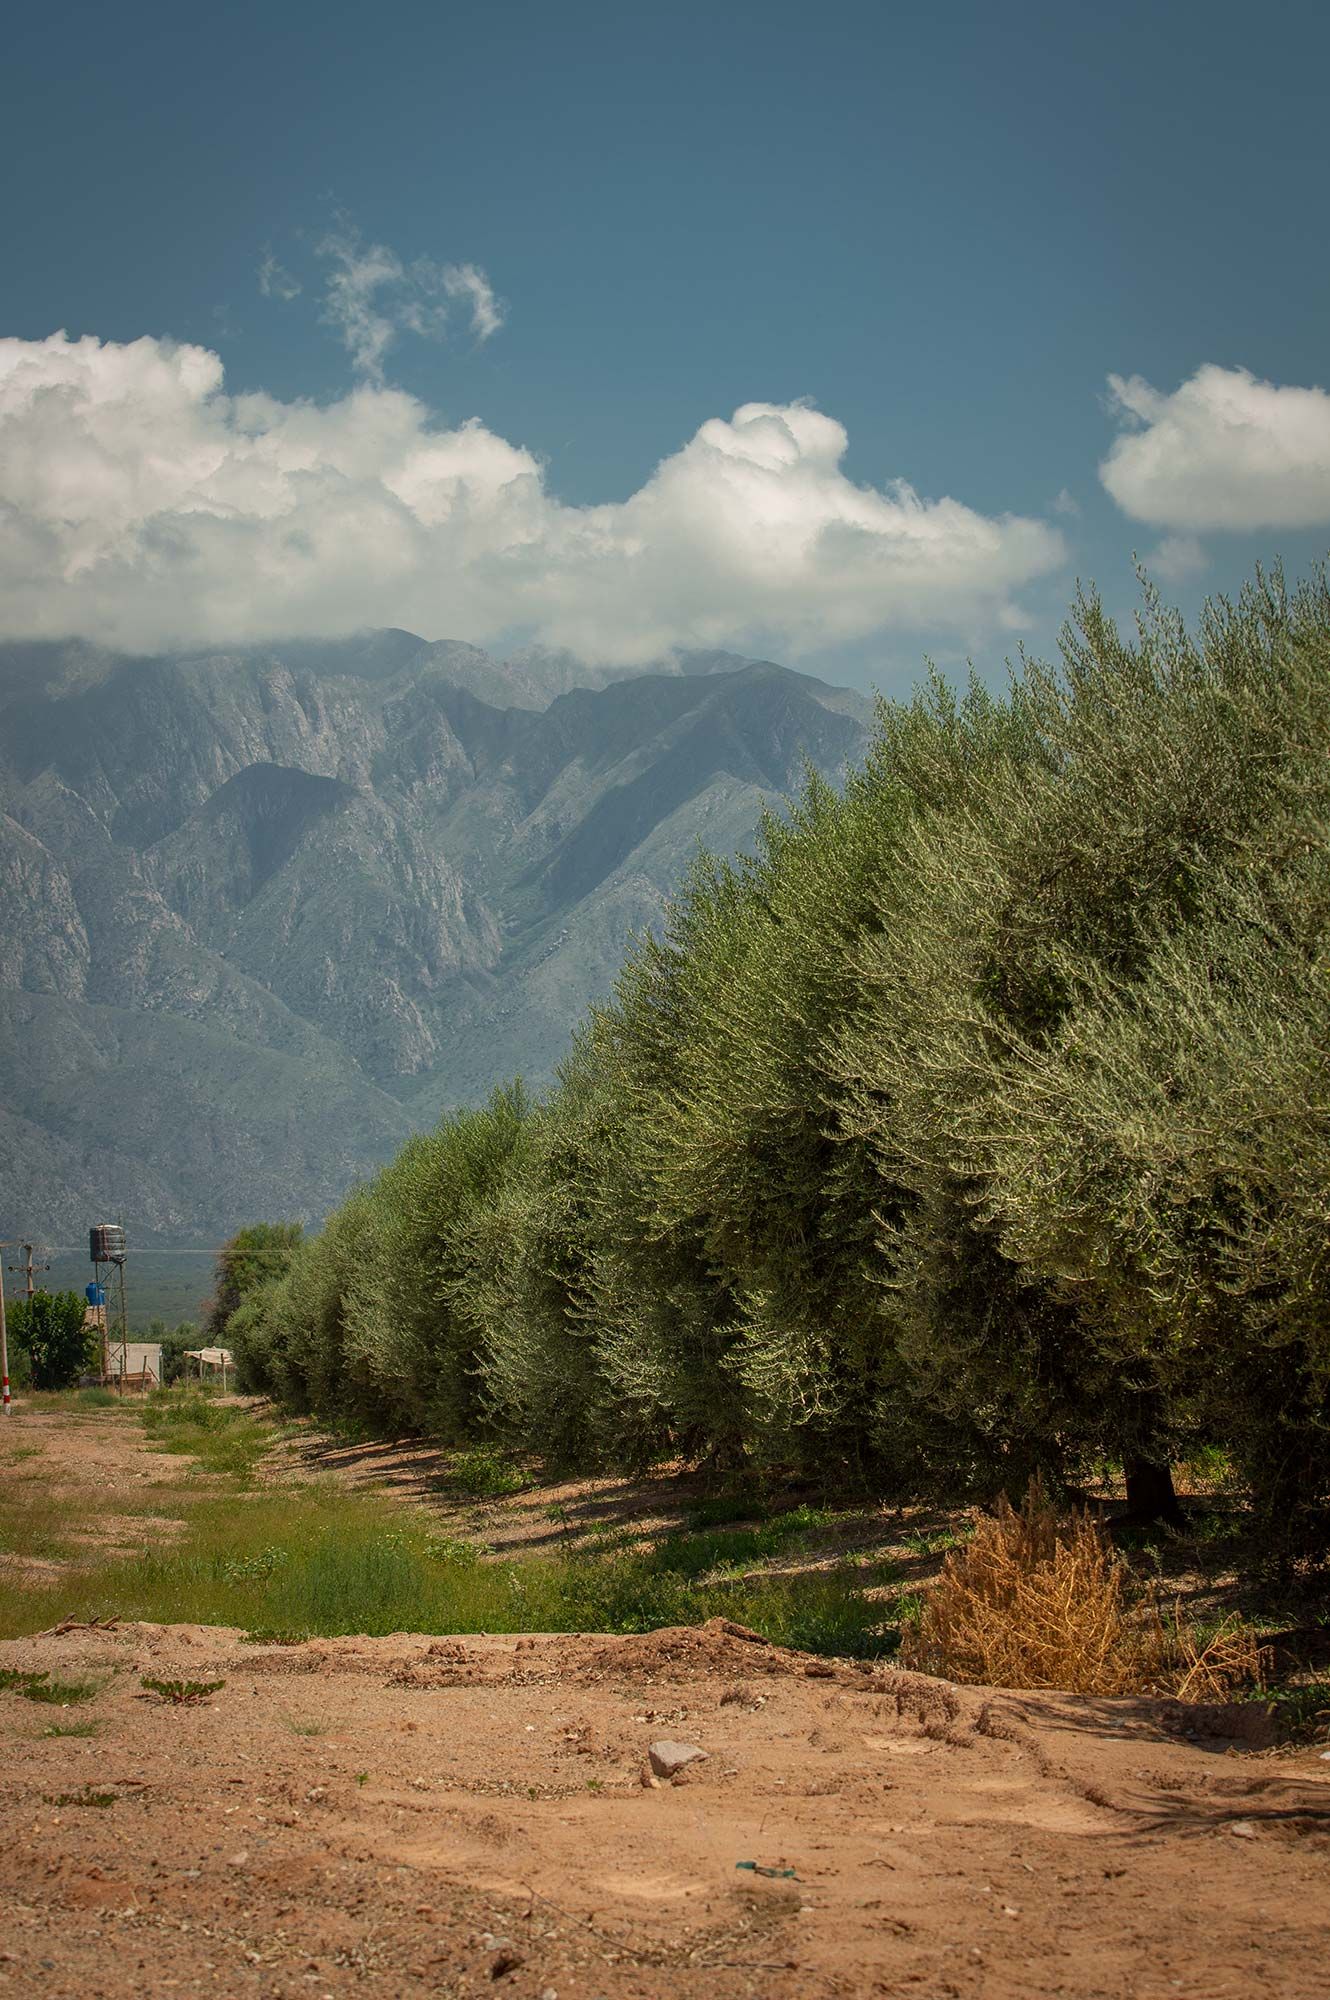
421 1816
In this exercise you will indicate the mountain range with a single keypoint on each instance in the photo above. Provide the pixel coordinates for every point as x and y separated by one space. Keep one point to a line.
265 912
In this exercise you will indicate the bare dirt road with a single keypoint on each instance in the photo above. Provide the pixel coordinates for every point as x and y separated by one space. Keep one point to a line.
419 1816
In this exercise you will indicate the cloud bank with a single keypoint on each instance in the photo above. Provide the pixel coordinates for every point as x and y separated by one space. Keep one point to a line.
144 507
1225 451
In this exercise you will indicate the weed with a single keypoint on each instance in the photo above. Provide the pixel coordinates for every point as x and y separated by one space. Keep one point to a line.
253 1569
937 1544
483 1473
58 1694
15 1677
362 1777
1208 1528
97 1399
181 1694
88 1728
454 1550
311 1726
1302 1714
85 1796
274 1635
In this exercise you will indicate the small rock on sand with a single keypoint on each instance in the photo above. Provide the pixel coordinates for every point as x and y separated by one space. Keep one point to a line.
667 1758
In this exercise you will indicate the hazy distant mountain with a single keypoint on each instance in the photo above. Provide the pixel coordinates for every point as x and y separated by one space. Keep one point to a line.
263 913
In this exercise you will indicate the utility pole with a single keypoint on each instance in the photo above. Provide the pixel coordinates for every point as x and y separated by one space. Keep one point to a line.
26 1269
4 1331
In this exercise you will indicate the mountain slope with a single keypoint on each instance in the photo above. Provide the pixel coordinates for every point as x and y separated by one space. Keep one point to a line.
263 912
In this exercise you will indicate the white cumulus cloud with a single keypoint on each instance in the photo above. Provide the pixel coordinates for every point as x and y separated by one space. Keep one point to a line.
143 506
1225 451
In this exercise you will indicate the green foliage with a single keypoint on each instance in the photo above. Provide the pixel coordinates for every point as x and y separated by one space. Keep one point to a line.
57 1694
1302 1712
174 1342
483 1473
252 1258
974 1128
181 1694
48 1331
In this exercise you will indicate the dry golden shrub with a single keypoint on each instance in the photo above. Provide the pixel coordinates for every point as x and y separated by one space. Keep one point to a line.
1039 1600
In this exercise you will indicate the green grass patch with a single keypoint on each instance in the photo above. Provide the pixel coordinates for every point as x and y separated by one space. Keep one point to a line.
819 1612
36 1523
224 1438
722 1510
939 1543
75 1402
698 1553
83 1728
285 1565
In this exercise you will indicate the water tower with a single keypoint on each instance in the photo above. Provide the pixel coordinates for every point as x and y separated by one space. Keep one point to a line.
106 1248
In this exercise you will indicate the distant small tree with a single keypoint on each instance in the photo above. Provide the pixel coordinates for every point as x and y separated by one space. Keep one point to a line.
49 1331
254 1257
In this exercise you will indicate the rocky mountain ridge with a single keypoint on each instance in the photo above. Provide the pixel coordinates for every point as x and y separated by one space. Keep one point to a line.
263 913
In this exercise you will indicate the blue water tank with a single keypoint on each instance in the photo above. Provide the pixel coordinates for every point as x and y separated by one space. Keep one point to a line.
95 1294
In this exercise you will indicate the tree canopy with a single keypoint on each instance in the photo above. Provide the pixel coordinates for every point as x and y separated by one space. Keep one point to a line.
975 1126
49 1333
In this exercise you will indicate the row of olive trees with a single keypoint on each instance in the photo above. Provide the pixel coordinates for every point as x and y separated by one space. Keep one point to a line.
976 1126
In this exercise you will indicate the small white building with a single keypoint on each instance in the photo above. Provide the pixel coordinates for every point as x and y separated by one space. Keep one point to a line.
140 1360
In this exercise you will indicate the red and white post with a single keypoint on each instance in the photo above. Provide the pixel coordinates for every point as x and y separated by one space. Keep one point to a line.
4 1335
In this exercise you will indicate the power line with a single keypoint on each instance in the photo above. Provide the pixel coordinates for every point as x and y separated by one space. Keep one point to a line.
27 1267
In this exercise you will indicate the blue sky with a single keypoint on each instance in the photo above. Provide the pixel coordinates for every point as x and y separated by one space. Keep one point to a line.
944 230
